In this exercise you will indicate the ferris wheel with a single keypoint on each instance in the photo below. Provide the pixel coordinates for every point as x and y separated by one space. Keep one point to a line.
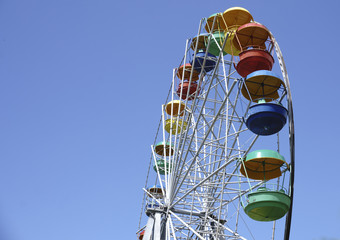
222 164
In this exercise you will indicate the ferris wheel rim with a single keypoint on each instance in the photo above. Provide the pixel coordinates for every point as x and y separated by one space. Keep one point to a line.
291 133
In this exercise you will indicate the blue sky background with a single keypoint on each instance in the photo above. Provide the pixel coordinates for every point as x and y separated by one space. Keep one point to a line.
81 84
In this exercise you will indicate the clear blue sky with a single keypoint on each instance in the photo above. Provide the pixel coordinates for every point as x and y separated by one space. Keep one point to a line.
82 82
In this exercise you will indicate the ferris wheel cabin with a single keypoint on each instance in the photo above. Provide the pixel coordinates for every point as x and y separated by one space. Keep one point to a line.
266 118
253 60
156 191
164 149
216 43
188 90
200 61
202 41
251 35
161 168
175 126
184 72
263 165
236 16
262 84
219 23
175 108
266 205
